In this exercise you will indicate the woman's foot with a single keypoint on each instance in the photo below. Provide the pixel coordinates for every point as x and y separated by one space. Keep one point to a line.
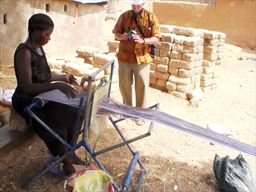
68 168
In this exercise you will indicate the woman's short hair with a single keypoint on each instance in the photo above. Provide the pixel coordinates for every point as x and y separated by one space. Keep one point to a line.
40 22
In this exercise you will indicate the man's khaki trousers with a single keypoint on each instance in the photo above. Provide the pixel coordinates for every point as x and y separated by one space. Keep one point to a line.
140 74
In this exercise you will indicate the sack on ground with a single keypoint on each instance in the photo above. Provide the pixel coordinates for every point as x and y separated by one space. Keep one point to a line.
233 175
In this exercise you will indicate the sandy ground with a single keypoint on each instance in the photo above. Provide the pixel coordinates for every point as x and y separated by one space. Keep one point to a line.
175 161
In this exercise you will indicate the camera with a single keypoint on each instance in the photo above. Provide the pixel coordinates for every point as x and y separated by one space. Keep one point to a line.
130 33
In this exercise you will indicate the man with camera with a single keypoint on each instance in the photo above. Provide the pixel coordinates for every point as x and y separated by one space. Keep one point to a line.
137 30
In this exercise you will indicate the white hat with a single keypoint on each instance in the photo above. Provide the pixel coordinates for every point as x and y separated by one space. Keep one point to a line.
137 2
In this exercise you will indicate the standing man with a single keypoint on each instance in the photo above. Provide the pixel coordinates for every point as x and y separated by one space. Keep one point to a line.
136 30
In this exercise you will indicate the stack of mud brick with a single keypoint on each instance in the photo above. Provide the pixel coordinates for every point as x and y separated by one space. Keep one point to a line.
86 61
213 55
113 46
186 60
178 64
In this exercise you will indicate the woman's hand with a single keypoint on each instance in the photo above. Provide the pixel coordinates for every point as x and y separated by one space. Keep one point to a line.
69 78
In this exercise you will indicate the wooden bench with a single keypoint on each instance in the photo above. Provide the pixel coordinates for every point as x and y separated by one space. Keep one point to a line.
10 138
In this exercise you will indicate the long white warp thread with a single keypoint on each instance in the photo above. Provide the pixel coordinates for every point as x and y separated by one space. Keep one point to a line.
57 96
109 107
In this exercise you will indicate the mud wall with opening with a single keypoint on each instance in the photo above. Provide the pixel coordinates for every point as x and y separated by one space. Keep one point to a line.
75 24
236 18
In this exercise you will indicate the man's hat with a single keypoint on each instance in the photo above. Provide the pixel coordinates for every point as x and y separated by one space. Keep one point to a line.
137 2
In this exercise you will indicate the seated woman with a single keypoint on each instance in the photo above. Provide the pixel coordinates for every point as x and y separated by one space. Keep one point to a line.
34 77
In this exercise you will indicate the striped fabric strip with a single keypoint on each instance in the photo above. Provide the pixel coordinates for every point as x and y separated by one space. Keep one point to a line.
109 107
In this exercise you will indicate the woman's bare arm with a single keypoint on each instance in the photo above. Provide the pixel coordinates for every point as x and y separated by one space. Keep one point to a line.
24 77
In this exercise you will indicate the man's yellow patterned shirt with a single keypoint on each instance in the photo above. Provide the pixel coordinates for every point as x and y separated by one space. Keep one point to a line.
129 51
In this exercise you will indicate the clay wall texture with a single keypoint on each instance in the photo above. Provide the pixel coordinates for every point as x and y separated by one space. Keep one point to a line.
76 24
236 18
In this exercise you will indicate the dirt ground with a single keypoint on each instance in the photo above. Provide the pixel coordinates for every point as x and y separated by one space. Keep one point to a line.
175 161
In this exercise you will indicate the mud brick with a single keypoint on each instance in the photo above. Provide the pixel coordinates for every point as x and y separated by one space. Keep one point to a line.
212 69
56 63
168 37
101 59
211 35
180 94
152 73
112 50
210 56
177 48
196 80
113 44
179 40
72 59
84 51
193 41
170 86
206 83
175 55
156 60
191 57
185 88
181 64
166 28
164 52
77 69
205 77
213 42
185 31
89 60
221 42
189 73
161 83
210 49
153 66
165 45
160 75
173 70
199 33
162 68
192 49
222 35
180 80
152 80
208 63
164 60
210 87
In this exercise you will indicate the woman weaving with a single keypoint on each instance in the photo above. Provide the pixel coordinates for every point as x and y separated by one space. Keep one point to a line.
34 77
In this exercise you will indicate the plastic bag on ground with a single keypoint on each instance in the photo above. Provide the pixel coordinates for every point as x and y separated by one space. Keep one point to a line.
89 180
233 175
